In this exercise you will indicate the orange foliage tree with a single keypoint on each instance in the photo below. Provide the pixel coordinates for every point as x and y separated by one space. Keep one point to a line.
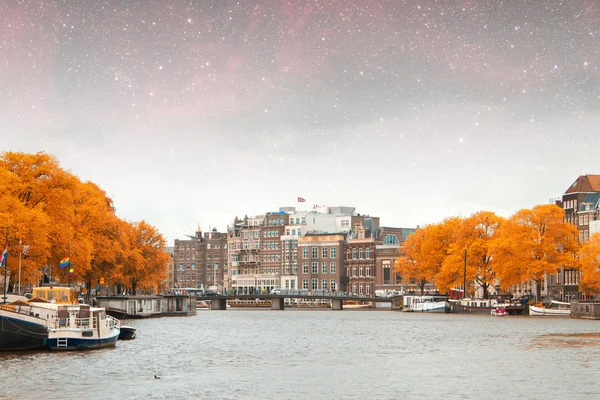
475 234
425 251
50 211
589 259
533 243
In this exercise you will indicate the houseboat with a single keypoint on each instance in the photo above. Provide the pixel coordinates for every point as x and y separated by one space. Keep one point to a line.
433 304
125 307
178 305
53 319
555 309
485 306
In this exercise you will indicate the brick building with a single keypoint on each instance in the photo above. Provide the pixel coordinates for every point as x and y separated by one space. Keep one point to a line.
321 262
359 260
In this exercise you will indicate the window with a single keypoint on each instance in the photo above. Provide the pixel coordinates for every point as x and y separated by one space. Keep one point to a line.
386 276
360 271
354 288
315 267
315 252
354 254
305 252
324 284
332 268
324 268
295 268
332 284
361 288
391 239
368 289
305 268
332 252
315 284
368 255
304 283
361 254
354 271
368 271
324 252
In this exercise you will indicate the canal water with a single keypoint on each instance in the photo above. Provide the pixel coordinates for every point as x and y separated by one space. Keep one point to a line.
322 354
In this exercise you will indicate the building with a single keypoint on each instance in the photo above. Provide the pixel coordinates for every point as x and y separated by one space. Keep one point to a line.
359 260
581 203
271 245
216 258
170 281
387 249
189 261
321 259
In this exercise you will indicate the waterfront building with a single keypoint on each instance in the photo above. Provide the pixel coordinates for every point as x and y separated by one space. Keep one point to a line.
243 248
216 258
388 248
271 253
359 260
170 281
188 258
581 203
321 259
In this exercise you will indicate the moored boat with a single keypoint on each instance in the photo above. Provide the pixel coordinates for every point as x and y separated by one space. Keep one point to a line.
53 319
499 312
556 309
484 306
432 304
127 332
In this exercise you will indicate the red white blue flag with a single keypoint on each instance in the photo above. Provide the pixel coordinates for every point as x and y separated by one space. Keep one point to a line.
4 255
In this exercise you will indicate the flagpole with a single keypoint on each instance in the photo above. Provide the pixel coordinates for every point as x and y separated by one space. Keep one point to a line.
5 266
69 265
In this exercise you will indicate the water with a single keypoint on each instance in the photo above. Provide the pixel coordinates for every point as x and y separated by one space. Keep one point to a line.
322 354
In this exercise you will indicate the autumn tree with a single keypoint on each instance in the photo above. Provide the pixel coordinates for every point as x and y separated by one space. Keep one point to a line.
143 260
589 260
473 234
425 252
533 243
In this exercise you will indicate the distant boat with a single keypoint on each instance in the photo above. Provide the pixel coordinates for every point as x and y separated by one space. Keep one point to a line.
556 309
431 304
499 312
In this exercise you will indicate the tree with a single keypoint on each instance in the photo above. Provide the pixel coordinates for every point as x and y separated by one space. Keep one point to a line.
475 234
426 250
143 261
589 260
533 243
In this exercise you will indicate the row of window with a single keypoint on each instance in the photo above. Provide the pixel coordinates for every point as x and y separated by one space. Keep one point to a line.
315 284
315 268
362 271
297 220
324 250
293 232
276 222
362 288
362 254
271 234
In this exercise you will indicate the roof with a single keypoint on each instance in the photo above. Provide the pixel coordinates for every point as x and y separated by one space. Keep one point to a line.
592 199
585 183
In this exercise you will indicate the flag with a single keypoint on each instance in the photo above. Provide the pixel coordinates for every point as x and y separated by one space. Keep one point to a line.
301 199
4 255
65 262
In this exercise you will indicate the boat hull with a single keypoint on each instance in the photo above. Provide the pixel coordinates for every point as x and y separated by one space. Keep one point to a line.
19 334
461 309
548 312
81 343
127 333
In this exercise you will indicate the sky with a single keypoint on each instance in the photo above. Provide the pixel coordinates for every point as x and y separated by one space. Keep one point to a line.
193 112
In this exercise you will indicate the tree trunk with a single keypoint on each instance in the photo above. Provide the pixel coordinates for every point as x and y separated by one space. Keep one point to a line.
133 287
485 287
538 290
422 286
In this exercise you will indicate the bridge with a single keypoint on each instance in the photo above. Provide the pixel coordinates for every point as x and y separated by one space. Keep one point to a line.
219 302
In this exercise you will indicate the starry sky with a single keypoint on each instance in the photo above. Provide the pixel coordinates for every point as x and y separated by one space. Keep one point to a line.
193 112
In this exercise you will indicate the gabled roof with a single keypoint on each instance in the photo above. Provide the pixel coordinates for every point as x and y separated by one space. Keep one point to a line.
585 184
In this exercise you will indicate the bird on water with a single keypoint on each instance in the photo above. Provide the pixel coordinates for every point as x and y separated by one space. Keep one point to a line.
156 377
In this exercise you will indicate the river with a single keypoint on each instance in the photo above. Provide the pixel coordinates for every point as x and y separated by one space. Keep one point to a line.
322 354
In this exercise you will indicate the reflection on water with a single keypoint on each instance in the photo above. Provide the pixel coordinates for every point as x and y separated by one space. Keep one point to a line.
559 340
243 354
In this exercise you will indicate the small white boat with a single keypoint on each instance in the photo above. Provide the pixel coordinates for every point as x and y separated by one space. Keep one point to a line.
556 309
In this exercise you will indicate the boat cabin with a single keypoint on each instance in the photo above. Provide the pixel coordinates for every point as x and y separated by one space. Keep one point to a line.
56 294
178 305
131 306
